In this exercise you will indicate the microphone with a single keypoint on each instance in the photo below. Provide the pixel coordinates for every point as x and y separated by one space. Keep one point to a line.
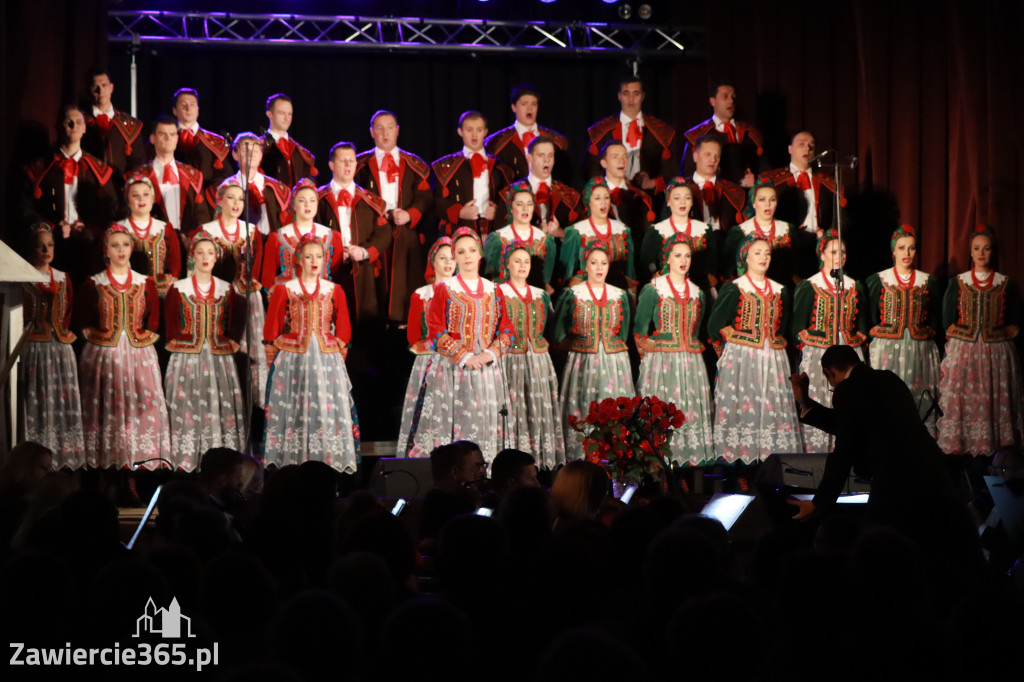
851 161
817 160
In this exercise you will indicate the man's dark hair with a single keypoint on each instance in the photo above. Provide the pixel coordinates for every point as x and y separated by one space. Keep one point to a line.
840 357
540 139
185 91
340 145
609 144
97 71
383 112
704 139
508 465
277 96
242 137
720 84
630 78
217 462
471 114
162 120
444 458
800 132
521 91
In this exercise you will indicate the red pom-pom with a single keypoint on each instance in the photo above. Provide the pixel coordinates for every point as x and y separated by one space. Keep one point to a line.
842 202
37 193
980 228
315 172
381 220
593 149
127 150
665 155
739 217
573 216
423 186
445 192
760 152
651 216
218 164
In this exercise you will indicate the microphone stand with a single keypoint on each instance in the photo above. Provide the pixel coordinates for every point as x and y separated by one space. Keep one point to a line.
837 274
247 256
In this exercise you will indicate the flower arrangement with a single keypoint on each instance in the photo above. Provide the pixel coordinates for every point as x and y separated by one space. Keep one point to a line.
627 436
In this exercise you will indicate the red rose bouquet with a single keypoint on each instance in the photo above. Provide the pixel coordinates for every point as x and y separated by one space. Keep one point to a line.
627 436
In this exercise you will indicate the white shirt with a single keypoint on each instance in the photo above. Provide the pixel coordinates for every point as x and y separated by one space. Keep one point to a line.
388 190
612 184
277 136
194 128
720 125
170 194
810 221
109 112
344 212
71 191
699 181
263 224
481 185
522 130
535 183
632 151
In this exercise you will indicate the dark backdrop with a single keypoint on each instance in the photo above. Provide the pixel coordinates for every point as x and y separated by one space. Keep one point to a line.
927 94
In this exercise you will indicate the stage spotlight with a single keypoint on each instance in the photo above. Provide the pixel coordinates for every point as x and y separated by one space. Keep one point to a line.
644 11
625 11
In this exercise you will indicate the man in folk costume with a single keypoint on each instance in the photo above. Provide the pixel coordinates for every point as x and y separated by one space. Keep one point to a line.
284 159
469 182
511 144
402 180
111 135
198 147
72 190
650 143
806 199
717 201
742 144
630 205
361 218
556 204
178 187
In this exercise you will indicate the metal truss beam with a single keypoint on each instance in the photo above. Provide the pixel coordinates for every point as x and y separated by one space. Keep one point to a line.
407 34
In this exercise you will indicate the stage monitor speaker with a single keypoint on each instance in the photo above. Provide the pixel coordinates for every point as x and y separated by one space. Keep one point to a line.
405 477
803 470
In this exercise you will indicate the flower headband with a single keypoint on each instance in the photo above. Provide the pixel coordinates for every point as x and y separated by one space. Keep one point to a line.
523 186
137 178
308 238
465 232
429 274
592 184
591 247
304 183
115 228
744 249
506 253
669 244
749 211
901 231
828 235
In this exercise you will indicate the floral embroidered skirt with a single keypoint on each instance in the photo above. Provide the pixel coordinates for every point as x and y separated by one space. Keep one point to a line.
124 415
412 408
205 405
681 378
51 401
816 440
310 412
588 377
917 363
534 417
755 414
257 355
981 397
462 404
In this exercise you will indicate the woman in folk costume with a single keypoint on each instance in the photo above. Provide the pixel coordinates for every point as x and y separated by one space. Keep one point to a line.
670 321
543 251
599 227
469 328
242 251
441 266
754 410
980 386
309 409
705 242
591 321
534 415
48 374
157 249
279 253
124 415
904 309
821 319
202 319
762 202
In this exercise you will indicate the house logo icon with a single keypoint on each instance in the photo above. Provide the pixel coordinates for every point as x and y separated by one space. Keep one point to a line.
168 623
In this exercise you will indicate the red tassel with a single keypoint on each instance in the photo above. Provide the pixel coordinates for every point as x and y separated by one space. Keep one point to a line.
445 191
381 220
665 155
739 217
37 192
127 150
423 186
572 216
423 240
315 172
218 164
842 202
593 149
651 216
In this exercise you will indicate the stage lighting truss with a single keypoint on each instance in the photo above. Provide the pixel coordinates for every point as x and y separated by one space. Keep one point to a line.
407 34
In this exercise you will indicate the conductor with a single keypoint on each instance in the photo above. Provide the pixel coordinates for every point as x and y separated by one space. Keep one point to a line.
879 434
